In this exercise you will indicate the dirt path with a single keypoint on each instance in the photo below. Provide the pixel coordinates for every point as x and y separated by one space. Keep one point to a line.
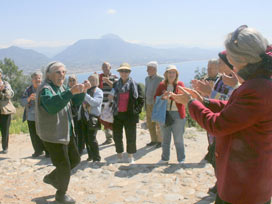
144 182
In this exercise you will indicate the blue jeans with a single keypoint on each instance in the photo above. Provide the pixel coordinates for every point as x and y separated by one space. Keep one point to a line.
178 130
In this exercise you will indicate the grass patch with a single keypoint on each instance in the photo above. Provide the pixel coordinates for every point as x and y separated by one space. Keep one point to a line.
17 126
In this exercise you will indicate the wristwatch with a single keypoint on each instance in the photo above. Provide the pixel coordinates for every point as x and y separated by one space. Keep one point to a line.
206 102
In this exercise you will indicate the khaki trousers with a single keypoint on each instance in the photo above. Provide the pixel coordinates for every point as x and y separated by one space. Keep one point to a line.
153 127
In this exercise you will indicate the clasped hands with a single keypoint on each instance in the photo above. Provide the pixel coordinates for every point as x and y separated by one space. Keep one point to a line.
183 95
80 88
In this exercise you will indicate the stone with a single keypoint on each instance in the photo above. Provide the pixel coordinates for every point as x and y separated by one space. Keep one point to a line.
173 197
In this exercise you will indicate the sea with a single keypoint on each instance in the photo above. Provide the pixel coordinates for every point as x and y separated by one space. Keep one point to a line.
186 71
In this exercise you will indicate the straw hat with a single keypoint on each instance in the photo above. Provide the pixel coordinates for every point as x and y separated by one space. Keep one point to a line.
124 66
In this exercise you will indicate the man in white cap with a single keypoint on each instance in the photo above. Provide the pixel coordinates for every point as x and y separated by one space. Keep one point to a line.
151 83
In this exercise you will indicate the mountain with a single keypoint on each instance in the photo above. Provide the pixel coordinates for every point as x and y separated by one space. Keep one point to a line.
26 59
49 51
89 54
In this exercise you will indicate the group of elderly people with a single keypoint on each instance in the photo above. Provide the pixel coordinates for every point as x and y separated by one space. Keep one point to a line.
235 108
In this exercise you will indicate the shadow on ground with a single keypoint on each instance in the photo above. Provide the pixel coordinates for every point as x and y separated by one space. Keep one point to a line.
207 199
44 200
134 169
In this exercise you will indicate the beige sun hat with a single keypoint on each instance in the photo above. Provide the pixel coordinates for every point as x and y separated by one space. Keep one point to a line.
124 66
171 67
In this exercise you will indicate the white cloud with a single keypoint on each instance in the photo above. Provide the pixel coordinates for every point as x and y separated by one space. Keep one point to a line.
111 11
30 43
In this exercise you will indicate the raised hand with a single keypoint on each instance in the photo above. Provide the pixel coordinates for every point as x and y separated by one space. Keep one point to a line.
193 93
165 95
203 87
77 89
87 85
231 80
183 96
32 97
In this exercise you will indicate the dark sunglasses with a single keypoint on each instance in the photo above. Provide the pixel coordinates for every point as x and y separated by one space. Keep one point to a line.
235 34
124 71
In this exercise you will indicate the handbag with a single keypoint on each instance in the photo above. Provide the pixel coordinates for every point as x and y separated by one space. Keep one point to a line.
168 118
159 110
94 123
6 107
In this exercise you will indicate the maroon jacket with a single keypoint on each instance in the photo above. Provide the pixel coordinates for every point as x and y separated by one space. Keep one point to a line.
162 88
243 130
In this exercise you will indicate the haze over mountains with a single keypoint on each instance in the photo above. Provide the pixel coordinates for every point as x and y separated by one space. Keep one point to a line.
89 54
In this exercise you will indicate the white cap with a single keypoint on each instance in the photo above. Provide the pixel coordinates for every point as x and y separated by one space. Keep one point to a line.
171 67
152 64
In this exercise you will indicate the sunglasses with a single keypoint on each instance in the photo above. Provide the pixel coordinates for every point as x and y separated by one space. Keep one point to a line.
235 34
124 71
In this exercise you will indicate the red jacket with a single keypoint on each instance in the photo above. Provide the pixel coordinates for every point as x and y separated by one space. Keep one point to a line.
162 88
243 130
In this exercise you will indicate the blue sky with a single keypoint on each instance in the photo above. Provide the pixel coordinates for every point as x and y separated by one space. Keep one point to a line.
32 23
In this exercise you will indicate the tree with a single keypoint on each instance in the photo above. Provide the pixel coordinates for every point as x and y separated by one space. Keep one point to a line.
200 73
18 81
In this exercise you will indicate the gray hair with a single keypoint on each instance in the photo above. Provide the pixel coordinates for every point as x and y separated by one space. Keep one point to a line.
36 73
96 77
213 61
52 66
247 47
72 76
152 64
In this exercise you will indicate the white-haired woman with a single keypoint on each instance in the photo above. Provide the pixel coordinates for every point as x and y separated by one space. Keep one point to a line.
89 112
175 112
243 125
28 101
6 109
54 125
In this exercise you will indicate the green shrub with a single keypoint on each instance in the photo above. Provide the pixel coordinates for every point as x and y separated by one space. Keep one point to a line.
142 114
17 126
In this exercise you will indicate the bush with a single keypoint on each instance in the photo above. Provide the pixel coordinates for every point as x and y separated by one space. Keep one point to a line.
142 114
17 126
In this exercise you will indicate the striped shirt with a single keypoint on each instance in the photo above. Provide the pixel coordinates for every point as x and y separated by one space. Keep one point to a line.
106 88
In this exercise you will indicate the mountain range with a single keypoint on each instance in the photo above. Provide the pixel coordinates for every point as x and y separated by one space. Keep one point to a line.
89 54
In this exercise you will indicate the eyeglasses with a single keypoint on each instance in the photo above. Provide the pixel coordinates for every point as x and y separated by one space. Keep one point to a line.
124 71
61 72
235 34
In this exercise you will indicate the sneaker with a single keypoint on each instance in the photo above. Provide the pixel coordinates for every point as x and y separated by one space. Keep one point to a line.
96 161
181 162
90 159
151 143
131 160
5 151
64 199
120 158
108 141
213 189
163 162
158 145
37 154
